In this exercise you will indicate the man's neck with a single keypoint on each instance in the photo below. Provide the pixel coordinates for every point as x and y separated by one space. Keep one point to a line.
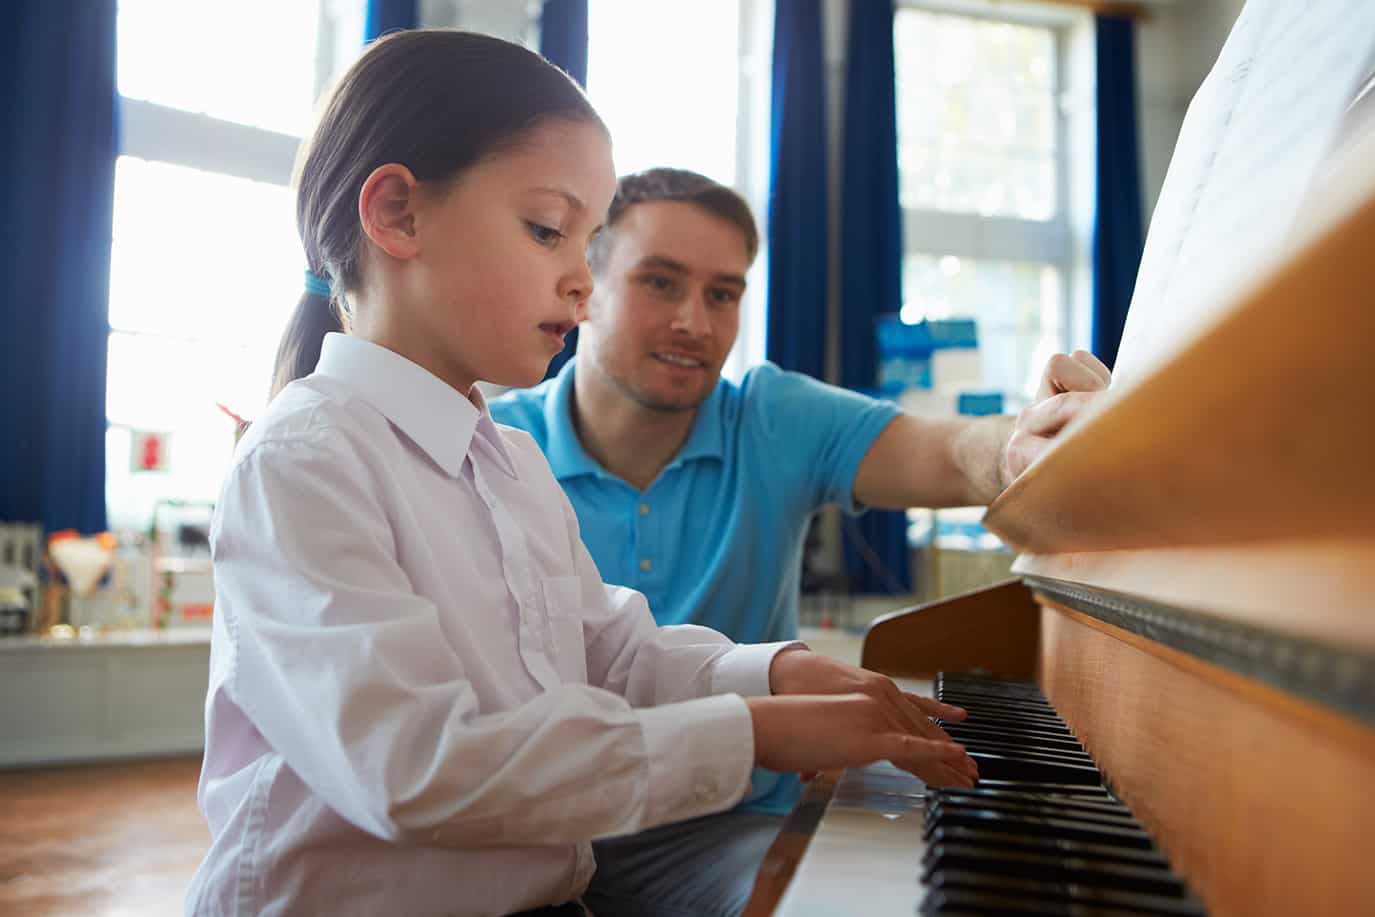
626 438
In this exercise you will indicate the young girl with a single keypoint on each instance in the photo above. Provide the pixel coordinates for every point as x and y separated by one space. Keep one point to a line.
423 699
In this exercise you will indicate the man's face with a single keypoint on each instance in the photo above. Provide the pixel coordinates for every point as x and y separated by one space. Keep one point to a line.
666 306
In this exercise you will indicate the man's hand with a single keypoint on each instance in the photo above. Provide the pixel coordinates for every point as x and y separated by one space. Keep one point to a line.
1070 383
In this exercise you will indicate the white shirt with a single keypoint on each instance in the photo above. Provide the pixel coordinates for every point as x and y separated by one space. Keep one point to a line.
423 699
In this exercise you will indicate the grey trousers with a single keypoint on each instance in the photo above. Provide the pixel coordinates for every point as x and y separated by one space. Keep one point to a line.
699 868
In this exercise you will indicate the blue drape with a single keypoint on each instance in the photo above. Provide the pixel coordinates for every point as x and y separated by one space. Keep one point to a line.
389 15
58 142
563 41
876 553
1117 232
796 320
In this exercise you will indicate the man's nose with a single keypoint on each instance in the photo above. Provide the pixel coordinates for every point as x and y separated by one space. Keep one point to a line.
691 316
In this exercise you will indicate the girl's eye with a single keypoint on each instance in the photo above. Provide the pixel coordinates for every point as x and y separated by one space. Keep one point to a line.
542 234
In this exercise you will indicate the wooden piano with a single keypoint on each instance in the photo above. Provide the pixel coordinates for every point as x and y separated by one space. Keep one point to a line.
1195 601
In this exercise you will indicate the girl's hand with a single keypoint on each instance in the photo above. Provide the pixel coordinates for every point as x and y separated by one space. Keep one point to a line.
798 671
808 733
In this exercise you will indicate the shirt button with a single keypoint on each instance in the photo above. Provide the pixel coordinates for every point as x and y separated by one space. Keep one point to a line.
646 564
644 509
704 789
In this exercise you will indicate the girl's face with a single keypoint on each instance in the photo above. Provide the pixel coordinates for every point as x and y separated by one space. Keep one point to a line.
499 271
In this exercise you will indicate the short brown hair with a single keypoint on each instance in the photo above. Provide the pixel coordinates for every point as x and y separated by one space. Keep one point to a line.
675 185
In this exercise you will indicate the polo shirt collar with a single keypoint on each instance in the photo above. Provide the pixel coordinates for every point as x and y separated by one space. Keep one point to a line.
564 450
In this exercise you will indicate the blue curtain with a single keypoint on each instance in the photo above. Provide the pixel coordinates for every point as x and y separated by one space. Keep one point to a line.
876 553
796 320
389 15
563 41
1117 231
58 142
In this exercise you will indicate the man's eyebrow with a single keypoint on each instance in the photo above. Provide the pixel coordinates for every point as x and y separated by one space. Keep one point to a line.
668 264
573 200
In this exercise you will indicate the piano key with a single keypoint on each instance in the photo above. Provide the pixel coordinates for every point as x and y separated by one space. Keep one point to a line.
1166 905
1069 803
1028 750
958 900
960 698
1097 873
1011 722
1004 767
934 808
970 841
1050 788
1033 826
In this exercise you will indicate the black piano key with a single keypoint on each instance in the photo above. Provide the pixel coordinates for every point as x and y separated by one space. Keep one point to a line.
1004 722
958 902
1049 788
934 808
1043 739
1034 826
968 699
1096 873
1003 767
1165 905
1068 803
971 841
1028 750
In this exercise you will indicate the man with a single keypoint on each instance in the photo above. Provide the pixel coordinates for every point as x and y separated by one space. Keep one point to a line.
698 492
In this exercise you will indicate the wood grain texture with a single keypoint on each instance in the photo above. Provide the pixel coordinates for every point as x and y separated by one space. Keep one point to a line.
1261 801
1255 431
994 628
115 839
1318 589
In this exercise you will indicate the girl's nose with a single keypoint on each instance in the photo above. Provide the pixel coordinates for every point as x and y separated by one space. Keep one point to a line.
577 285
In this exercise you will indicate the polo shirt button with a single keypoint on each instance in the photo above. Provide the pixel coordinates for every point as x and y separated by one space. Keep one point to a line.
704 789
646 564
644 509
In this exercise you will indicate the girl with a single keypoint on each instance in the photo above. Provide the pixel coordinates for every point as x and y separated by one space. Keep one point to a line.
423 700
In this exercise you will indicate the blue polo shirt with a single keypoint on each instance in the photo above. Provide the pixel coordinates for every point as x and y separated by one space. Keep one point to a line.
717 538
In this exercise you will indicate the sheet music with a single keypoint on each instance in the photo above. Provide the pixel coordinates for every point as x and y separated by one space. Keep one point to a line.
1254 135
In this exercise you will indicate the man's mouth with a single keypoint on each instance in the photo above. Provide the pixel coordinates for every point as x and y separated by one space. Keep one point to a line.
678 359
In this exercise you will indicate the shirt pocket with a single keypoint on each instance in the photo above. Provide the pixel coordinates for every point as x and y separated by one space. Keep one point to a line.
563 612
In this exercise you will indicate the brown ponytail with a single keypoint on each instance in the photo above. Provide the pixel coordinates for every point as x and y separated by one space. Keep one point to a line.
438 102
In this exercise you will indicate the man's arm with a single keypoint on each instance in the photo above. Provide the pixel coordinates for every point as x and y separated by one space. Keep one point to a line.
967 461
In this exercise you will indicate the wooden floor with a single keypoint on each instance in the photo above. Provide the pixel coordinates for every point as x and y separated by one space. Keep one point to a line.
110 840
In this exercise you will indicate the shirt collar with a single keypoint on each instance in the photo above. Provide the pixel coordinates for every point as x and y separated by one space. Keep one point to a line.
564 450
431 412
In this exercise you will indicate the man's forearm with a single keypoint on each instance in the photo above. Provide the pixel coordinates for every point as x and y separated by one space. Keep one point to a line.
980 452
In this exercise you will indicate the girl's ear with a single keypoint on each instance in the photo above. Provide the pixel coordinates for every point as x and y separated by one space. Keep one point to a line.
386 208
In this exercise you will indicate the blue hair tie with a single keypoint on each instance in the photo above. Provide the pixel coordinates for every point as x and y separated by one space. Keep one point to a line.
317 285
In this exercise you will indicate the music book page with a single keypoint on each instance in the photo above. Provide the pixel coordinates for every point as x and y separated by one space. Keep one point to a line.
1255 134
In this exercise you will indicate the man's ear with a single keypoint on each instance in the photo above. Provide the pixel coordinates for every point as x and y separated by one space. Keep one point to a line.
386 209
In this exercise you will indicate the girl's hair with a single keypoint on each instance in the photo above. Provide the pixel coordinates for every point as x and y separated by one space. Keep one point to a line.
436 101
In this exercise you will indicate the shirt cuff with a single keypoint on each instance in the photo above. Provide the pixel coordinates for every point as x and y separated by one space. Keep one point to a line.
700 753
744 669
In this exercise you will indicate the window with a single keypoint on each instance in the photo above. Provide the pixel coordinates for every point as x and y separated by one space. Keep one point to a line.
984 186
687 86
205 261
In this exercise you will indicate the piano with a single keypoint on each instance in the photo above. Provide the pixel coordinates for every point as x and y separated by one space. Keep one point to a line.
1173 701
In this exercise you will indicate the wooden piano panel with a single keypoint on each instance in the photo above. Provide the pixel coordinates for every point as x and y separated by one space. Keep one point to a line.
1261 799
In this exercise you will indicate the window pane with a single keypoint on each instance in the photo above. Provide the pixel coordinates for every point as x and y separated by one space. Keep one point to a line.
202 256
251 61
1015 303
976 115
665 77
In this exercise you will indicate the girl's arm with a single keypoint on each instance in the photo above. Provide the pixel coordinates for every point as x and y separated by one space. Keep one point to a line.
347 673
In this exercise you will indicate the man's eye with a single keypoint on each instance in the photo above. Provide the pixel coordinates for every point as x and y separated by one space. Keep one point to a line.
724 297
658 282
544 235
